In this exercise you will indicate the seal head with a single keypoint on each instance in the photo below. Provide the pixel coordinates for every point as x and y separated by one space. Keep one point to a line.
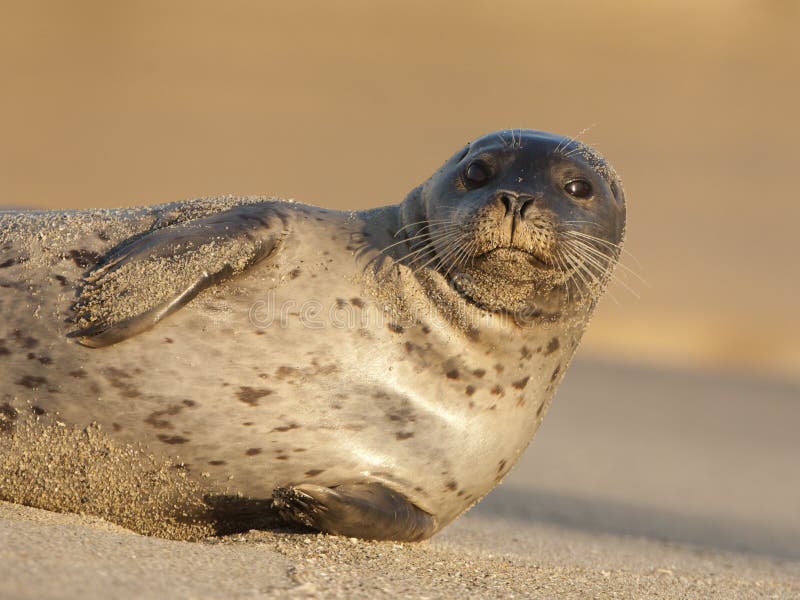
519 222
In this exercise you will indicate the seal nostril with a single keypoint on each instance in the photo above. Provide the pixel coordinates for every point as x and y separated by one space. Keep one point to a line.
506 203
525 205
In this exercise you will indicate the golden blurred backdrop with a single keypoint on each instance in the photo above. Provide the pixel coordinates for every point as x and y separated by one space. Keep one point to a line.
350 104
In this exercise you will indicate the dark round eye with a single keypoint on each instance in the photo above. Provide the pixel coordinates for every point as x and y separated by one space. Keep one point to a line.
579 188
477 173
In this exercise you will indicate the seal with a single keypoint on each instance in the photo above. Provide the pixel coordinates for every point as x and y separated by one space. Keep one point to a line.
370 374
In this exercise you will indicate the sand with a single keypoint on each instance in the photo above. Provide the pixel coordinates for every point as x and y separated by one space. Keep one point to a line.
641 483
44 555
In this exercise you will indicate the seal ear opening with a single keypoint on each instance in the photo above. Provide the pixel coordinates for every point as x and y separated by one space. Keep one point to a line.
147 279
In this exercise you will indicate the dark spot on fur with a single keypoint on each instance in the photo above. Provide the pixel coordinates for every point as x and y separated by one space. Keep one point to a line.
418 489
394 327
283 371
217 463
555 373
341 303
299 450
189 403
8 414
520 400
4 351
552 346
452 374
521 383
25 341
250 395
525 353
501 465
116 427
155 418
540 410
471 404
497 390
493 407
60 279
38 410
45 360
284 428
248 423
425 329
83 258
78 374
294 273
253 451
357 302
168 340
479 373
282 457
473 334
403 435
452 485
31 381
499 368
409 346
117 378
470 389
314 472
354 427
172 439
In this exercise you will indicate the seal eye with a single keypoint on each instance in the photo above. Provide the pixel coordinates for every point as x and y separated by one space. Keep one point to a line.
579 188
477 174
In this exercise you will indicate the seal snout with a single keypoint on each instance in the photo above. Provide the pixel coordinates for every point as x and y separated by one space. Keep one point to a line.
514 204
520 223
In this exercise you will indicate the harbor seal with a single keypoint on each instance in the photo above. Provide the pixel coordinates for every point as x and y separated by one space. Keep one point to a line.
370 373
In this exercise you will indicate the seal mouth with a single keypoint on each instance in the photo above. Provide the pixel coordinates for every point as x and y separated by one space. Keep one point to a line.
514 253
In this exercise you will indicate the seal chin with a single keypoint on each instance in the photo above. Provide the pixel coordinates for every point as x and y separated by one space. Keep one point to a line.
517 256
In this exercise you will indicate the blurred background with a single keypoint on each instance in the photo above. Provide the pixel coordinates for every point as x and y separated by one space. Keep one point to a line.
350 104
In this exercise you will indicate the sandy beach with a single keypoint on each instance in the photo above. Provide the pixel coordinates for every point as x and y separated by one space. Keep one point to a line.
657 484
45 555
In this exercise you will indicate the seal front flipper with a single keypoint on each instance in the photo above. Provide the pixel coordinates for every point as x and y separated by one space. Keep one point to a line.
143 281
364 510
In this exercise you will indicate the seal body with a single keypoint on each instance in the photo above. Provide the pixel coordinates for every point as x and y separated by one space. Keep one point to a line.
261 345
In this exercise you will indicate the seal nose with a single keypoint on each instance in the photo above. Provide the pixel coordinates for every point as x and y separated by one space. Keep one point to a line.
514 204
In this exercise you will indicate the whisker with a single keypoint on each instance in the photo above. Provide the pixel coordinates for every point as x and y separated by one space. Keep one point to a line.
431 244
453 248
438 255
608 268
426 226
605 256
604 242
